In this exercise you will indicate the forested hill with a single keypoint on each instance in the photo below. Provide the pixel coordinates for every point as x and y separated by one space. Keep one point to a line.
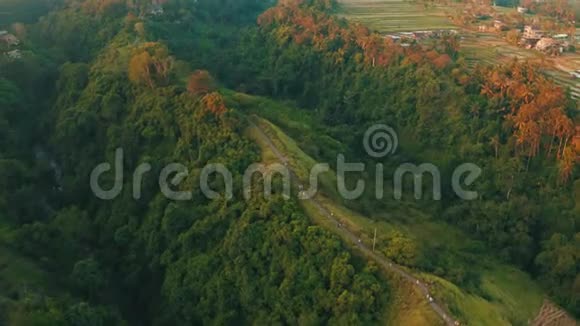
151 261
154 79
511 120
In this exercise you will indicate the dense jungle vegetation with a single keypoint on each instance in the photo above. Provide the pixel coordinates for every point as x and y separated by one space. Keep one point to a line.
97 75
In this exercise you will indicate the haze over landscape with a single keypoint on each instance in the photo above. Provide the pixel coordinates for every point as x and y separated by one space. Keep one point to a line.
292 162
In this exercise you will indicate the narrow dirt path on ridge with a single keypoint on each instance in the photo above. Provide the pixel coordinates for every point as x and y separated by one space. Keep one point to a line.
381 260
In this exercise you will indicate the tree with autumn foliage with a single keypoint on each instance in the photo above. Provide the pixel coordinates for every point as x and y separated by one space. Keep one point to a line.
214 103
150 65
535 106
201 82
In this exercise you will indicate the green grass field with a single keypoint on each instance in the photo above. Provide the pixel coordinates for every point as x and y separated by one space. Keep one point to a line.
394 15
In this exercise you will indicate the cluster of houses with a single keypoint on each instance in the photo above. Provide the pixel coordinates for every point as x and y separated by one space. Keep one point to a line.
535 38
9 44
405 38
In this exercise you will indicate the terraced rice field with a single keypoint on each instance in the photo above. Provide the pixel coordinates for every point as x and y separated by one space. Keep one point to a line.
394 15
488 49
566 81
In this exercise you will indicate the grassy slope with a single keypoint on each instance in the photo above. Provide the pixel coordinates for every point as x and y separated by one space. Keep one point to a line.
506 295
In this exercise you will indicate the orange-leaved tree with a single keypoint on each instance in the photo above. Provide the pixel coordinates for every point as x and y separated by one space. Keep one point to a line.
150 64
214 103
201 82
